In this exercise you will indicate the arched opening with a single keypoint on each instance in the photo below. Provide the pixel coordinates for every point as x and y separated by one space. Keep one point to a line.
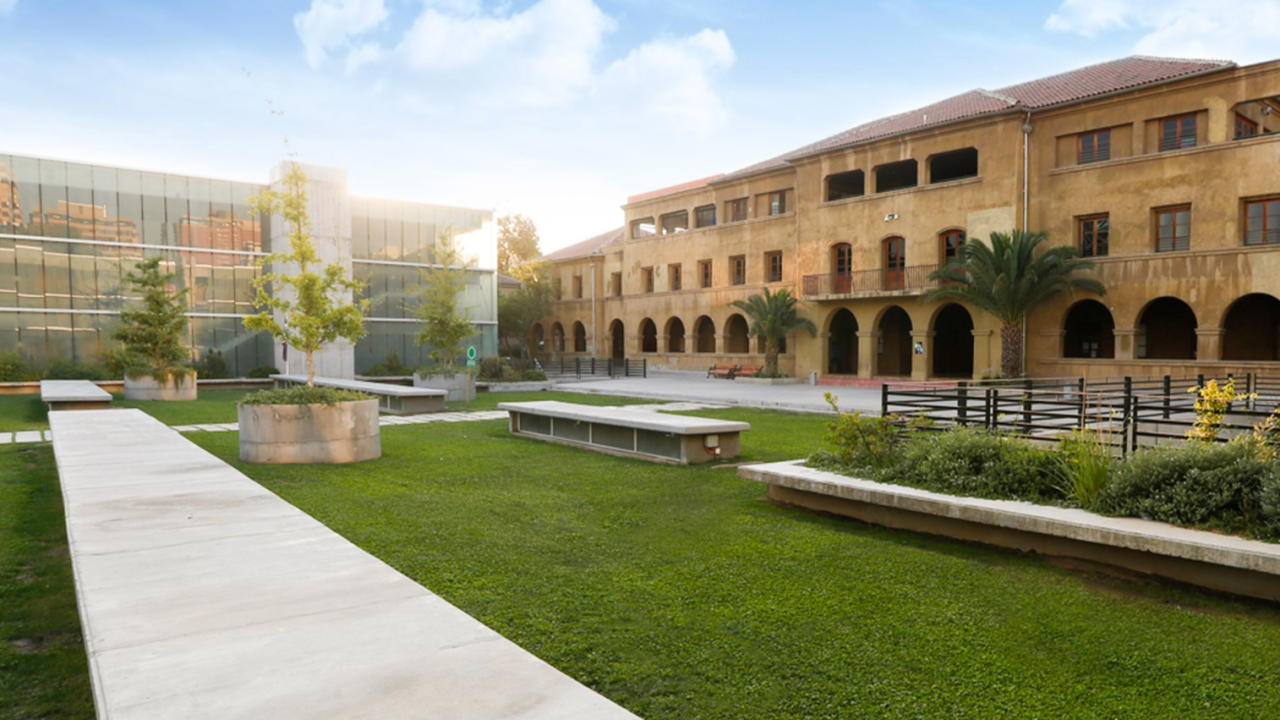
737 339
675 335
1167 330
895 263
618 339
648 336
841 267
1251 330
557 338
953 342
704 332
842 348
893 347
1089 331
539 337
579 337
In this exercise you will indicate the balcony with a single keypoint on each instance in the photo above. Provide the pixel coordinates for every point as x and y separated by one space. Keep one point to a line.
870 283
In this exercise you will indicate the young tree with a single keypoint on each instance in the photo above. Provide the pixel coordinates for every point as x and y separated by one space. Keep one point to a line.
309 307
517 242
517 311
443 326
773 315
1008 279
152 334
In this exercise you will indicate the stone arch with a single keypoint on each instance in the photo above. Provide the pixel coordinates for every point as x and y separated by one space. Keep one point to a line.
579 336
675 335
842 343
737 335
1167 330
1251 328
557 337
618 339
1088 331
704 335
648 336
893 346
952 327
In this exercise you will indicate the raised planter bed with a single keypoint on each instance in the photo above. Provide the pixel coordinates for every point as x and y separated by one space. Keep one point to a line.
344 432
1219 562
770 381
461 386
530 386
178 386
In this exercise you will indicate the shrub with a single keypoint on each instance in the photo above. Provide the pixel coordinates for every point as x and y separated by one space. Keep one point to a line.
303 395
213 366
977 463
519 365
392 367
1269 499
1088 462
72 370
262 372
1197 485
533 375
491 367
862 442
151 334
1212 403
15 368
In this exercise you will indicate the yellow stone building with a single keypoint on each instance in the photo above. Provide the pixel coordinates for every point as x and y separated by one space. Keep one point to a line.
1166 172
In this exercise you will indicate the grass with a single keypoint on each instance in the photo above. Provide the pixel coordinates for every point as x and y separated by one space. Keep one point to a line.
43 671
681 593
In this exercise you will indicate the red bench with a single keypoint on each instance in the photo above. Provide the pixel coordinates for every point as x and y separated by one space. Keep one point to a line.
722 371
746 371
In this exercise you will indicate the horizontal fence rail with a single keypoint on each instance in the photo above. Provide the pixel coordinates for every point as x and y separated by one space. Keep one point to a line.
578 367
911 278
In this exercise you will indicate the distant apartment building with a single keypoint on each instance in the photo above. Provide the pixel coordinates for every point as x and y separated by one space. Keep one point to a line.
1164 172
69 231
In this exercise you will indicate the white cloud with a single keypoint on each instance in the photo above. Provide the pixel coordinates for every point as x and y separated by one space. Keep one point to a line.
671 79
330 25
1242 30
541 56
7 6
363 54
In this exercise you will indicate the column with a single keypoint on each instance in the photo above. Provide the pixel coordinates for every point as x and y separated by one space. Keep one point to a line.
1209 343
1126 343
867 356
921 363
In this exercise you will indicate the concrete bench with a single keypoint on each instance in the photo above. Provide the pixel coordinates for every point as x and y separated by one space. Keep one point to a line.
630 432
73 395
204 596
393 399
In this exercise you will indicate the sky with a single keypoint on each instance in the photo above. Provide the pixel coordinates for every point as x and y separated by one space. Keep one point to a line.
557 109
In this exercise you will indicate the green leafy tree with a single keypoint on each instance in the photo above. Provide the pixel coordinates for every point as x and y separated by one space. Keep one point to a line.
517 242
519 310
444 327
1008 279
773 315
151 334
307 308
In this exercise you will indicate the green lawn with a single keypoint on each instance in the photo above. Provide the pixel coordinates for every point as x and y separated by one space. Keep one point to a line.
681 593
43 671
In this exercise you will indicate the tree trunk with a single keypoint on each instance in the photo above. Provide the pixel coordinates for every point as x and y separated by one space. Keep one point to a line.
1011 351
311 370
770 356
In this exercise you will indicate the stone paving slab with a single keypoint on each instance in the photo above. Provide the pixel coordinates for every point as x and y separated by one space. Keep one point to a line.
28 436
203 595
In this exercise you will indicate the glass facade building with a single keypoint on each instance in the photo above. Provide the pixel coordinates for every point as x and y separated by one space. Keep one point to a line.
70 231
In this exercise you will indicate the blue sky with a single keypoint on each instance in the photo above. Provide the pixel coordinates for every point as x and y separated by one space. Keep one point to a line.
559 109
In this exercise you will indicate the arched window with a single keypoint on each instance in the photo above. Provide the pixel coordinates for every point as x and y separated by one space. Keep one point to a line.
737 340
705 333
618 335
675 335
950 242
648 336
579 337
1089 331
1167 330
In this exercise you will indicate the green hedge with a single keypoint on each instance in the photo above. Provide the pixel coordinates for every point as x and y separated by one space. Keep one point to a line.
303 395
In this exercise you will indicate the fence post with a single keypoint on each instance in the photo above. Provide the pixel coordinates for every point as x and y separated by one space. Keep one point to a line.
1026 405
1168 396
962 398
644 367
1128 425
884 399
989 410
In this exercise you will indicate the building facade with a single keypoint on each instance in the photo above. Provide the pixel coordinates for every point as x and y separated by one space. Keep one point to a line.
1165 172
69 232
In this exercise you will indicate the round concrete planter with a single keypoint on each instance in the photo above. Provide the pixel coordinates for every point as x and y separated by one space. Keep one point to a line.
344 432
179 386
461 385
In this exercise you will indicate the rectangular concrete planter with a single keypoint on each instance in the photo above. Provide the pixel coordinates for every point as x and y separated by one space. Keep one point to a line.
771 381
1219 562
344 432
531 386
179 386
461 386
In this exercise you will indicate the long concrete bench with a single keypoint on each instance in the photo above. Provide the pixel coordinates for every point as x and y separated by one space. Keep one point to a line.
393 399
1220 562
73 395
627 431
204 596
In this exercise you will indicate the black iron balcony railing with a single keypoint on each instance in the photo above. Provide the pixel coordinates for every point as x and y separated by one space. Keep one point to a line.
908 279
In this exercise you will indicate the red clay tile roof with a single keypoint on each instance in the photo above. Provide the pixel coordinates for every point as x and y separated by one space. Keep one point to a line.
672 190
588 247
1073 86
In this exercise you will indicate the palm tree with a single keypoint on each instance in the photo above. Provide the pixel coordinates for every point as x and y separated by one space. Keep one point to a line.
773 315
1008 279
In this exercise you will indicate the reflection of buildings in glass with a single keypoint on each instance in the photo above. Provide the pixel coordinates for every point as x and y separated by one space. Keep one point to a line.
220 231
10 205
85 222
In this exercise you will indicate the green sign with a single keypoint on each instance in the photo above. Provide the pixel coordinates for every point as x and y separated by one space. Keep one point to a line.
471 356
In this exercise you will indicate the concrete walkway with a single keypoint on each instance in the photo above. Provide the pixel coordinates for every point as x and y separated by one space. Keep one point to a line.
697 387
203 595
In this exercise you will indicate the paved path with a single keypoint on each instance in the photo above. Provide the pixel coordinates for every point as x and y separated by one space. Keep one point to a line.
203 595
697 387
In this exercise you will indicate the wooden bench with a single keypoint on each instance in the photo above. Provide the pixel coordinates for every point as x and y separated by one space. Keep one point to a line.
746 371
722 371
73 395
392 399
631 432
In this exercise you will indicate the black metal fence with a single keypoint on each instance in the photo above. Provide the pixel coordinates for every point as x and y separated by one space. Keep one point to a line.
1124 412
579 367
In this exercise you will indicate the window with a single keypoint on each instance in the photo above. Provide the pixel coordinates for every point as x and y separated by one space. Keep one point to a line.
1245 127
738 269
642 228
704 216
704 273
953 165
1173 229
777 202
617 284
1095 147
895 263
577 286
952 241
1095 235
896 176
673 276
1262 222
1178 132
736 210
773 266
675 222
646 277
846 185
